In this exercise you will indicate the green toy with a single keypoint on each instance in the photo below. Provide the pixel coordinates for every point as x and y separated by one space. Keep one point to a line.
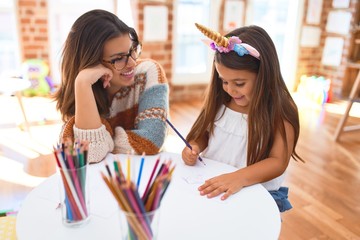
36 71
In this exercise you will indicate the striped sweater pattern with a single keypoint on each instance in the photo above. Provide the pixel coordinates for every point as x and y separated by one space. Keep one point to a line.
136 122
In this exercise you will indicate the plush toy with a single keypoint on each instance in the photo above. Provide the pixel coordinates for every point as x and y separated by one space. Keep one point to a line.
36 71
315 89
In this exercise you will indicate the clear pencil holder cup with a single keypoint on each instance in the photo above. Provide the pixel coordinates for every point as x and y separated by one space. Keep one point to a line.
139 226
74 196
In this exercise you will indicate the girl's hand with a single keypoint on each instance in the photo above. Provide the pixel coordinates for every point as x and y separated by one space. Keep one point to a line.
228 184
92 74
190 156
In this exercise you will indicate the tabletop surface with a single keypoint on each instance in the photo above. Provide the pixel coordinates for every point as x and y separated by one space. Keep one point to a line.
184 213
9 85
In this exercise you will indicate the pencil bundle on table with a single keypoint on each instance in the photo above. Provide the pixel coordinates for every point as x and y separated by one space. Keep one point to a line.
72 162
138 210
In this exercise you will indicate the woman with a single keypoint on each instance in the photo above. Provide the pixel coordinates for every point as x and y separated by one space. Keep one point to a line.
108 96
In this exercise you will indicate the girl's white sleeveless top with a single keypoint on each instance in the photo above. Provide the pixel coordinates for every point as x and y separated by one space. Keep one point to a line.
228 144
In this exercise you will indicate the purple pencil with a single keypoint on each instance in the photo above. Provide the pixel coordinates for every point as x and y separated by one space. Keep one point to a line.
182 138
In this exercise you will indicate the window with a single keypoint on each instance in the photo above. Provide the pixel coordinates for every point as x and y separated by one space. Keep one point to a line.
281 19
124 12
62 15
192 59
9 44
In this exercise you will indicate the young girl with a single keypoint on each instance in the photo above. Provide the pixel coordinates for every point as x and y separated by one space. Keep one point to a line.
249 119
108 96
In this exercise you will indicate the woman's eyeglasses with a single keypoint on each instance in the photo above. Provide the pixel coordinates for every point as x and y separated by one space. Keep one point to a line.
120 62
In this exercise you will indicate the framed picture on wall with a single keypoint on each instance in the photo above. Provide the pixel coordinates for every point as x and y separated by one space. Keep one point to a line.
234 14
340 3
332 53
338 22
310 36
155 23
313 15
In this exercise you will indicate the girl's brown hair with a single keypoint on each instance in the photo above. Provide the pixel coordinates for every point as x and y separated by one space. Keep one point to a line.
84 48
270 105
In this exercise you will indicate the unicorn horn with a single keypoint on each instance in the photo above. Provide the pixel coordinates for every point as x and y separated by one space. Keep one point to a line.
215 36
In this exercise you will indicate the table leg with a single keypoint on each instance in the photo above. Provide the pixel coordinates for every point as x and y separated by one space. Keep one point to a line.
26 123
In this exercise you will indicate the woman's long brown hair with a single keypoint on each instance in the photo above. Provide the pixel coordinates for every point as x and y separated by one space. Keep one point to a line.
271 102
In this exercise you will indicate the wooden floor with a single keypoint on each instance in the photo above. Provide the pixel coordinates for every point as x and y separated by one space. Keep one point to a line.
324 192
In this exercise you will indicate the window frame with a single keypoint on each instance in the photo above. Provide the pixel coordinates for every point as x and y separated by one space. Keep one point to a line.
13 68
195 78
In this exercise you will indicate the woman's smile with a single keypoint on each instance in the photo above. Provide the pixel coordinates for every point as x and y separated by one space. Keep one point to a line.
128 74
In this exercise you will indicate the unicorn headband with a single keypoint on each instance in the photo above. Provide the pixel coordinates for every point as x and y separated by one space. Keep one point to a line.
225 45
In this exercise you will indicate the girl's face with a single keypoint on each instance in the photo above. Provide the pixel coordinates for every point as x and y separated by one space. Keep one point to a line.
115 54
239 85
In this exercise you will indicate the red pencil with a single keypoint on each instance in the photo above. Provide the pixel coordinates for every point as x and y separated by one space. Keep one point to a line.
150 179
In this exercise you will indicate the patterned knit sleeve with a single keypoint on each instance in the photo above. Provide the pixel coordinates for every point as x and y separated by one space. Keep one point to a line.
100 140
150 126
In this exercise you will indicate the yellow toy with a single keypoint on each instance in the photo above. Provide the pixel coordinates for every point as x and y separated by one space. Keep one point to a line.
36 71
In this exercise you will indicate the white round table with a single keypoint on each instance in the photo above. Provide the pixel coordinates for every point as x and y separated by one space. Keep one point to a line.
185 214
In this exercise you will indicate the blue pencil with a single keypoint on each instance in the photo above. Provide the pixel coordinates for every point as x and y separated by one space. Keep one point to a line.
184 140
140 170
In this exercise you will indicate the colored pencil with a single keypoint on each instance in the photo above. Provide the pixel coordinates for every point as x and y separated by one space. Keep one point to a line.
184 140
150 179
138 213
119 196
67 160
75 179
72 189
4 213
107 168
140 169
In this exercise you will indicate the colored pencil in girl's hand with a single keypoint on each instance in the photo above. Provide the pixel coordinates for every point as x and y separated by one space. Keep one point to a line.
182 138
